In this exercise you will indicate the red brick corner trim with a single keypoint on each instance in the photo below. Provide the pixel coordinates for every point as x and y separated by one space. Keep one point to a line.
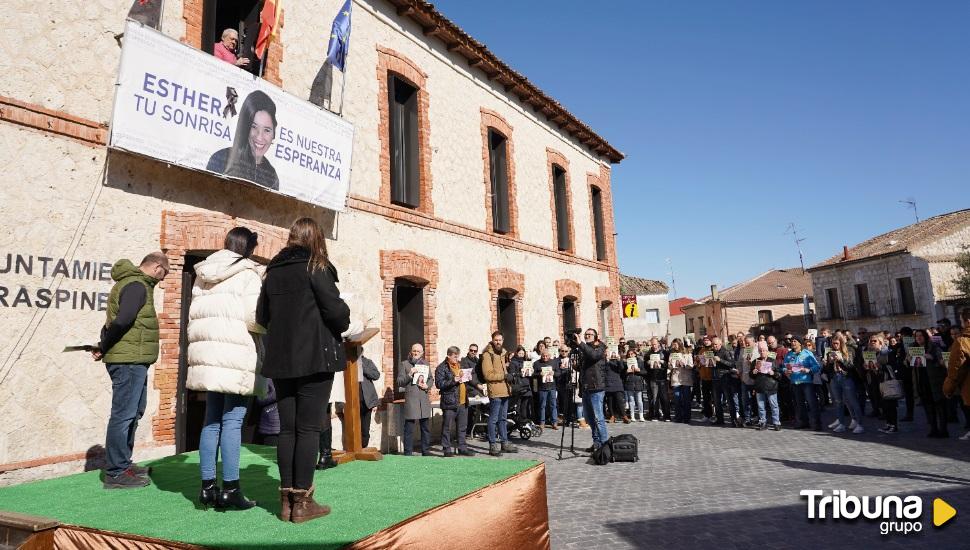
418 269
491 119
508 280
571 290
182 232
554 157
391 61
192 14
52 121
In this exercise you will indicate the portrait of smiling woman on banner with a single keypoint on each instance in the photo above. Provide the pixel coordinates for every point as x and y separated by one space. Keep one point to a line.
255 132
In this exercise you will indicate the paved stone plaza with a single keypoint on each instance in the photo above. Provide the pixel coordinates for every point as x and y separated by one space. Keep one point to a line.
702 486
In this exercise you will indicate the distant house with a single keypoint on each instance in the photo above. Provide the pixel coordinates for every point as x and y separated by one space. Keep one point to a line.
678 319
652 309
771 303
900 278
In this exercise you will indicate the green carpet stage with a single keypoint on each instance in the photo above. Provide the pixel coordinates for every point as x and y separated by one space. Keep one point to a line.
399 501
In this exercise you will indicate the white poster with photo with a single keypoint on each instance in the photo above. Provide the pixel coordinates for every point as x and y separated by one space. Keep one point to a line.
185 107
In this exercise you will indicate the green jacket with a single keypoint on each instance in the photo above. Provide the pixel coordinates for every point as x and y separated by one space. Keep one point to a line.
140 344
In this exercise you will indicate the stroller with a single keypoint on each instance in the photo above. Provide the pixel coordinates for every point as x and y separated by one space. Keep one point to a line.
521 423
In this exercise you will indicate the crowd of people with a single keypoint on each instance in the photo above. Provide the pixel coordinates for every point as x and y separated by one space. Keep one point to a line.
277 334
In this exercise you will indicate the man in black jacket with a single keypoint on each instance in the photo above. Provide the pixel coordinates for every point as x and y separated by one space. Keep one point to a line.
723 369
592 370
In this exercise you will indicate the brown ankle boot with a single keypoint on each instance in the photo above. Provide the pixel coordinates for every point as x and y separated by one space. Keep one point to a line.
285 508
304 507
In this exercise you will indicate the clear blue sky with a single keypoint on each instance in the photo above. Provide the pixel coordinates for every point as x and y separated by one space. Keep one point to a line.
740 117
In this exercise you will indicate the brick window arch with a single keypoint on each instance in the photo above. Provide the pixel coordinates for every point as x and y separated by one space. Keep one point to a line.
568 290
393 64
511 283
422 270
495 124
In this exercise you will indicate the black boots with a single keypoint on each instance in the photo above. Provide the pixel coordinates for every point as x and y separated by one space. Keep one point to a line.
326 462
209 495
231 497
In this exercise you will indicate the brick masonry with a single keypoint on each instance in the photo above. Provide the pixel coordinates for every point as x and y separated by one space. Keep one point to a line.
392 62
508 280
495 121
418 269
554 157
567 288
53 121
183 232
192 14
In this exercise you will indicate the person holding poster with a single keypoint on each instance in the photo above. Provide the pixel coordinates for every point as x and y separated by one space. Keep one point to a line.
255 132
766 377
928 377
681 379
843 380
633 383
454 402
801 367
412 376
547 370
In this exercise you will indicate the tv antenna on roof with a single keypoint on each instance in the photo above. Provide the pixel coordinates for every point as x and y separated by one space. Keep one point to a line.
673 283
798 244
911 203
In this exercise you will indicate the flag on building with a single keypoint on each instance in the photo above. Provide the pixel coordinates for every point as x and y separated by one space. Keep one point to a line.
340 38
147 12
270 21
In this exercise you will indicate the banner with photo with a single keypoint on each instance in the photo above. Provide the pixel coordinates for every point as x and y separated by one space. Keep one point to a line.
185 107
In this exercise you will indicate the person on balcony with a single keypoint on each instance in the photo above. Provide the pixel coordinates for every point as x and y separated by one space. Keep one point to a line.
225 49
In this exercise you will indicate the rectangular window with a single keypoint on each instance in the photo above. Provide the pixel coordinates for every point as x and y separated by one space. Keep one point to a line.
241 15
764 317
862 299
835 312
907 297
598 231
562 210
498 170
652 316
690 325
702 328
403 111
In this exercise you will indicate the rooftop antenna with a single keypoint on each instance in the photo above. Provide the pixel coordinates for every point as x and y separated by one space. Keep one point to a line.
911 203
673 283
798 243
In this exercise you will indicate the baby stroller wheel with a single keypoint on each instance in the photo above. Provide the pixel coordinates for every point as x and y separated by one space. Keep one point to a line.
536 431
525 432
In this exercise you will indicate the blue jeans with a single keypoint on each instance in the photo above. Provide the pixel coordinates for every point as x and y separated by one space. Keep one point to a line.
547 396
682 404
224 415
772 399
595 416
498 412
844 392
129 392
747 403
634 398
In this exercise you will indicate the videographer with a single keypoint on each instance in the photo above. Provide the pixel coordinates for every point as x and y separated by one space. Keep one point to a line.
592 369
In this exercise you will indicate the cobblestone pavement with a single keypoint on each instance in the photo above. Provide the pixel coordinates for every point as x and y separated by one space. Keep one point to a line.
704 486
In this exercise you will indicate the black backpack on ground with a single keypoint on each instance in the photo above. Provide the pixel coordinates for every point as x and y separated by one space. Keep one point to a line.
603 455
624 448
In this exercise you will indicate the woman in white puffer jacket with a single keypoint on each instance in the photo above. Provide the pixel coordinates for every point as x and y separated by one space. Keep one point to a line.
223 359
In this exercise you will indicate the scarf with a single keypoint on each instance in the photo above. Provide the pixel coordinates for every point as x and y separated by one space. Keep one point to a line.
456 371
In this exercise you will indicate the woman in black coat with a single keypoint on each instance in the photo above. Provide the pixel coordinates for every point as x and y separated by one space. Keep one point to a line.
304 317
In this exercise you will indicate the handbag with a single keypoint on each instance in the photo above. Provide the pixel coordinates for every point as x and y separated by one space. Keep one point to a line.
891 388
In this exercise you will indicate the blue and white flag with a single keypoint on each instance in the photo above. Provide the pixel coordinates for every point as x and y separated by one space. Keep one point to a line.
340 38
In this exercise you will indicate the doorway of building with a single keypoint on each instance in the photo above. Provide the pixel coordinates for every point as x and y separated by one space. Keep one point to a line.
242 15
189 404
408 318
507 323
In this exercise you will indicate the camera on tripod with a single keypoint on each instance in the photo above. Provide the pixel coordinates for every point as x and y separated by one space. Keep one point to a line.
572 335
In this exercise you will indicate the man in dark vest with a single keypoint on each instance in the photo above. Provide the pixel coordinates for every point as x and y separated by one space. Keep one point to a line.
129 345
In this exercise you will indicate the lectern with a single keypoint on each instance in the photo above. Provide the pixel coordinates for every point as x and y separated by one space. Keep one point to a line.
351 430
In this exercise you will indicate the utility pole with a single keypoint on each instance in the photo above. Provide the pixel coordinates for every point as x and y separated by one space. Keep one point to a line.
673 283
911 203
798 244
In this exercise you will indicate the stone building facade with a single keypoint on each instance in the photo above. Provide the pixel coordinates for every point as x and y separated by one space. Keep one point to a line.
771 304
900 278
71 207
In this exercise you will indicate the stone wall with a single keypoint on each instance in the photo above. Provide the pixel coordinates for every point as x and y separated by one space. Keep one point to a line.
73 199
